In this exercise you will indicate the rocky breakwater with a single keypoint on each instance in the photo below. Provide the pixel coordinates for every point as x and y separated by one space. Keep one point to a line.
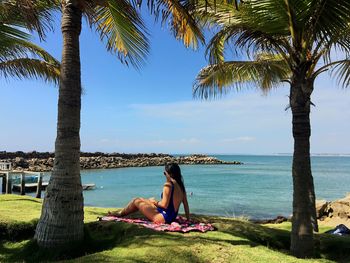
333 213
42 162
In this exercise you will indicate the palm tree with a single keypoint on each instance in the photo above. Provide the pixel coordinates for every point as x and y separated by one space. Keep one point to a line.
19 57
121 28
289 41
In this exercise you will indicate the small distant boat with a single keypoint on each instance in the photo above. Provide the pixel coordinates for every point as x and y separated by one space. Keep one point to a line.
89 186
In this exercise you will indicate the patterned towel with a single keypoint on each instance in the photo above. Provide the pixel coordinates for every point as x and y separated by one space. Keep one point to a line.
180 225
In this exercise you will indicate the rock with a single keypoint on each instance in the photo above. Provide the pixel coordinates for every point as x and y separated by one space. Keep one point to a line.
321 205
21 162
36 161
334 212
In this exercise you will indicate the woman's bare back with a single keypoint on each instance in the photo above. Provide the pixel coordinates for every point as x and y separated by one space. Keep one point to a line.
178 196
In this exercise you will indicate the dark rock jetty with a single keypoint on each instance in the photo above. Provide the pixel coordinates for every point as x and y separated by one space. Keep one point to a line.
43 161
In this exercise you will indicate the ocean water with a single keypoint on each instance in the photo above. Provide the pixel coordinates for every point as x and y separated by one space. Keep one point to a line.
260 188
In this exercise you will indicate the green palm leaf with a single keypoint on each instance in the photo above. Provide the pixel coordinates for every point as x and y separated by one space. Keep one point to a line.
244 38
176 14
217 79
29 68
34 15
18 56
11 34
330 17
121 27
250 29
342 71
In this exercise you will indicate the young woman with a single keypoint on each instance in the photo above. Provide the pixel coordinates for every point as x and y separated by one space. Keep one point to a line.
165 210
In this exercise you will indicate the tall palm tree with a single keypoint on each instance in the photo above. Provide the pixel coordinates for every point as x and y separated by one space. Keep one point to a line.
119 24
289 41
19 57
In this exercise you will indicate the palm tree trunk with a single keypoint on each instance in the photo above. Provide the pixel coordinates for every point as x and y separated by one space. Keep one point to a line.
304 212
62 215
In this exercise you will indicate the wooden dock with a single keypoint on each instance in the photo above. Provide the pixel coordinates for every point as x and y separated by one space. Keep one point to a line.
7 174
29 187
7 186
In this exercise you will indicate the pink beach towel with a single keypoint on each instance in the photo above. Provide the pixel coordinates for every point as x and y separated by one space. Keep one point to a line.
180 225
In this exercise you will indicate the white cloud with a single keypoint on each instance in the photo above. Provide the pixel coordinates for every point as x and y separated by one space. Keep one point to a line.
238 139
218 125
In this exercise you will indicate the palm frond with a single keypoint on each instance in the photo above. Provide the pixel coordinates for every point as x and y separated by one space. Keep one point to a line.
337 42
177 14
9 38
22 48
30 68
331 18
216 46
244 38
213 13
10 33
268 16
265 72
18 56
121 27
35 15
327 32
39 52
342 70
251 29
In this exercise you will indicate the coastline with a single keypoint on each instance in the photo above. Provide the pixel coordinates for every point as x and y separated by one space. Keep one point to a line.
43 161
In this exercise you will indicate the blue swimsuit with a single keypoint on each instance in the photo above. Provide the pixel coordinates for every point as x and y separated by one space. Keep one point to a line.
169 213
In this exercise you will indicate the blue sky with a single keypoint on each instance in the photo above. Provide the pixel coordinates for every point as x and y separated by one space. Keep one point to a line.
152 110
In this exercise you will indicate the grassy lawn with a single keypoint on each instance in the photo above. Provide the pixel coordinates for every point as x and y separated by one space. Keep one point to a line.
234 241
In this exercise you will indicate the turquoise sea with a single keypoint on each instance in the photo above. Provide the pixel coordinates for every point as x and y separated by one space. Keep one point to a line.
261 188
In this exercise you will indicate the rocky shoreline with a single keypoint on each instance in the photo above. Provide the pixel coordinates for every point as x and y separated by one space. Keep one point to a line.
43 162
333 213
328 213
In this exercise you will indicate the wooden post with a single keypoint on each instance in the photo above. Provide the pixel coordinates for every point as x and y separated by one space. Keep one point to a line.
3 176
8 183
40 182
23 184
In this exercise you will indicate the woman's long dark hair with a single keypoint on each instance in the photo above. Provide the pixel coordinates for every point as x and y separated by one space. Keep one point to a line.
173 169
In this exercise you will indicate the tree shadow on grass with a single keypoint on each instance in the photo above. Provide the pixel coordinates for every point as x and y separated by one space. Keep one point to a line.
334 247
102 236
327 246
145 256
17 231
124 235
10 254
23 199
271 238
99 236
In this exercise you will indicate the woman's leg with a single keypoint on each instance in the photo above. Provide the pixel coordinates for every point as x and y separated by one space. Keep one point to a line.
129 209
145 206
149 210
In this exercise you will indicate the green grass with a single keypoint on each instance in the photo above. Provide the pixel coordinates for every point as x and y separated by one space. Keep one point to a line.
234 241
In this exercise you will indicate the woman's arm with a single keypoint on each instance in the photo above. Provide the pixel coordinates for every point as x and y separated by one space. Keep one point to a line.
187 209
166 196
